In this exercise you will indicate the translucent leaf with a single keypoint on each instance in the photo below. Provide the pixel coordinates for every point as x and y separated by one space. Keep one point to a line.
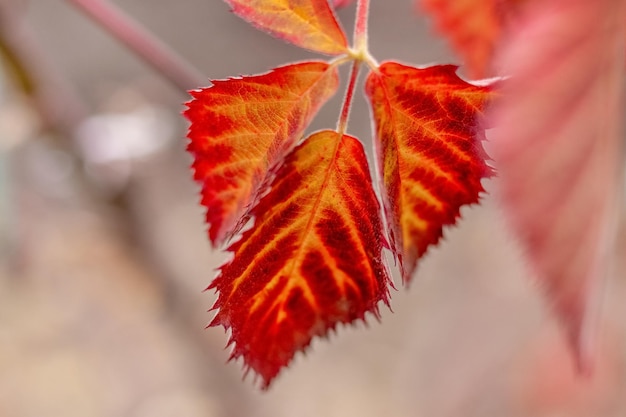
310 24
311 260
429 151
241 127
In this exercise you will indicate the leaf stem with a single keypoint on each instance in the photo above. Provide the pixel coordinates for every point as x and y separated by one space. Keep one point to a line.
358 53
360 27
172 66
342 125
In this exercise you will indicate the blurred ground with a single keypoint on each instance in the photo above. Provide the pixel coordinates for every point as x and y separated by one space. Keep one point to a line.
104 258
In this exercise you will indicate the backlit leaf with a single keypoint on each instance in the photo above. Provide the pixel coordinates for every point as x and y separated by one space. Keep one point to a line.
241 127
311 260
429 151
310 24
559 149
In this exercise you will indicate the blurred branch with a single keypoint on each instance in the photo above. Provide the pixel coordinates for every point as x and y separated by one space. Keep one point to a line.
35 75
16 67
130 32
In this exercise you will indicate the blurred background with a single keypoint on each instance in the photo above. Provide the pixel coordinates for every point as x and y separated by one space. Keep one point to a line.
104 255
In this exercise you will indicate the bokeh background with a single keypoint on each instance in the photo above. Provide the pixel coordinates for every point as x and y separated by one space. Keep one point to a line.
104 256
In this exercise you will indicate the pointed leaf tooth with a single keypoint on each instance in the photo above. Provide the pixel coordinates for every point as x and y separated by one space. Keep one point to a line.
429 152
310 24
241 127
312 259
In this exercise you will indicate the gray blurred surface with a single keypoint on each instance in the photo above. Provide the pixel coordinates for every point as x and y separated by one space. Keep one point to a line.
101 305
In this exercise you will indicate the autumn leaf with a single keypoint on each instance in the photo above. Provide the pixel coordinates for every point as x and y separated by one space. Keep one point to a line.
558 147
310 24
429 151
241 127
311 260
474 28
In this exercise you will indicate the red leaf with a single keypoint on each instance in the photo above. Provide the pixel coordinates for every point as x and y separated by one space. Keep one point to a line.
310 24
241 127
312 260
558 149
473 26
429 151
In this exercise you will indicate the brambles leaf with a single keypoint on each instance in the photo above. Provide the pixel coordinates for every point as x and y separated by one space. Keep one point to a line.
473 26
310 24
241 127
429 151
559 150
311 260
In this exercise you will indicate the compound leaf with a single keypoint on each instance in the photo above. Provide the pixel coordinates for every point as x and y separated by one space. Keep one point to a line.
429 151
310 24
241 127
312 259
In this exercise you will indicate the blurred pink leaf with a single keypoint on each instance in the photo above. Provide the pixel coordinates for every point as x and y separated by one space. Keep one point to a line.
559 149
473 27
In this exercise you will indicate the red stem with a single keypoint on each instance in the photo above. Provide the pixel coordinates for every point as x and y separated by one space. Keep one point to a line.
360 44
360 27
179 72
347 101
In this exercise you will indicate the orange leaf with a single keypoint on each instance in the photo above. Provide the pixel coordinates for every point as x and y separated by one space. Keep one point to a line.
310 24
474 28
241 127
429 151
313 258
559 150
